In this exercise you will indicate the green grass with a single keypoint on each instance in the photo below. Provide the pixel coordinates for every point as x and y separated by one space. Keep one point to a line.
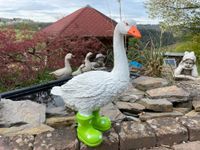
42 77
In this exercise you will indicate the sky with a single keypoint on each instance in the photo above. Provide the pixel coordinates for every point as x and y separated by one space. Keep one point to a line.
53 10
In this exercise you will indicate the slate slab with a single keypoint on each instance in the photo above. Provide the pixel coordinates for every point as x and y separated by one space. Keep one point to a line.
146 83
196 105
167 92
159 105
131 95
13 112
112 112
25 129
151 115
130 107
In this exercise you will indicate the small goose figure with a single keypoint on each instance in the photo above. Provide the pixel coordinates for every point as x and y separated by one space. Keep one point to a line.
89 91
66 71
88 64
79 70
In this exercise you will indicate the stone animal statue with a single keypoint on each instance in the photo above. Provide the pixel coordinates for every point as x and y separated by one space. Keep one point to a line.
79 70
89 91
66 71
187 68
88 64
98 62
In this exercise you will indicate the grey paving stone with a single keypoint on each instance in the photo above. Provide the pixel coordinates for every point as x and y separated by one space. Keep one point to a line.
59 139
19 142
187 146
168 131
134 135
193 126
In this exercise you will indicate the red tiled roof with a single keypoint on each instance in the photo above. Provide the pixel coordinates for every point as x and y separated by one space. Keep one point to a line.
86 21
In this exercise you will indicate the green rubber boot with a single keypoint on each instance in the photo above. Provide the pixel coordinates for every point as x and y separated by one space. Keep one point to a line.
101 123
86 133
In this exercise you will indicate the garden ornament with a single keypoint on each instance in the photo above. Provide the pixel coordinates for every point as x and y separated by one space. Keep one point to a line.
187 68
99 62
79 70
89 91
66 71
88 64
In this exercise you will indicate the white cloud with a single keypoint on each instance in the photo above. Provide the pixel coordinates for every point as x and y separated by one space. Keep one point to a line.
52 10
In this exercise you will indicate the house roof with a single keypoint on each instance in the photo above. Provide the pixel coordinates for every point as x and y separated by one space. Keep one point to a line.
86 21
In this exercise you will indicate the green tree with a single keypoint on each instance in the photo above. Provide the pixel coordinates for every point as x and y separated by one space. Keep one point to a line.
176 13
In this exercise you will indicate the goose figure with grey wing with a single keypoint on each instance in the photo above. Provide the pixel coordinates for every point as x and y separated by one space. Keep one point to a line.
66 71
79 70
89 91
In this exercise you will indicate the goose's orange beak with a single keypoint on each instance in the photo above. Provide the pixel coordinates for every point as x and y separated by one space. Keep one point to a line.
134 32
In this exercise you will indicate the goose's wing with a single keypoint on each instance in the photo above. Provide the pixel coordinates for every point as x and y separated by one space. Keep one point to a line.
90 84
59 72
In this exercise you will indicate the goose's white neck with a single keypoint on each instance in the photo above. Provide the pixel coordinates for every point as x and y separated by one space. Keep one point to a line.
67 64
121 69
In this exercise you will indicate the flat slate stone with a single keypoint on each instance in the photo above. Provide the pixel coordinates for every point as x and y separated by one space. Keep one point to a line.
178 100
134 135
25 129
193 126
110 141
187 146
112 112
193 113
146 83
130 107
60 121
158 148
148 115
160 105
131 95
196 105
13 112
59 139
167 92
182 109
168 131
57 111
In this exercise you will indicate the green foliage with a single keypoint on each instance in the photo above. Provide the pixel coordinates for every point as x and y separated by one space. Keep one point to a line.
152 61
176 13
150 57
41 77
190 44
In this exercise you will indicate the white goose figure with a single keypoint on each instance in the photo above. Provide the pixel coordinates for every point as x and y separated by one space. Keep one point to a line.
89 91
66 71
88 64
79 70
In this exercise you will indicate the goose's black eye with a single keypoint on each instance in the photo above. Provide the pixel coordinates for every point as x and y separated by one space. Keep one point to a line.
126 23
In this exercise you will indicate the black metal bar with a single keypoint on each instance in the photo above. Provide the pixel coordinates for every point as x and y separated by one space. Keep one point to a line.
33 89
